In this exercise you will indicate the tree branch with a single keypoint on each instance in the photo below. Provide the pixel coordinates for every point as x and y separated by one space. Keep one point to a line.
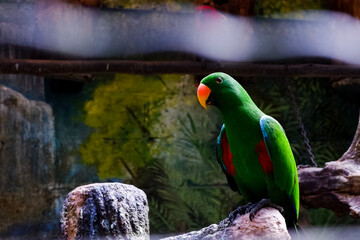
143 129
53 67
128 169
354 150
336 186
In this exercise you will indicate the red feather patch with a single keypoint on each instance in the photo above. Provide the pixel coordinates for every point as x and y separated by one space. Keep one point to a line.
264 157
227 155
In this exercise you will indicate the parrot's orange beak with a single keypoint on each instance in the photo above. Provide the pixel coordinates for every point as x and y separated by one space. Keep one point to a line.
203 93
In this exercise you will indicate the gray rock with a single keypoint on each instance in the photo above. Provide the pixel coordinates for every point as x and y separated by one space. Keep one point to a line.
27 144
267 224
105 210
26 141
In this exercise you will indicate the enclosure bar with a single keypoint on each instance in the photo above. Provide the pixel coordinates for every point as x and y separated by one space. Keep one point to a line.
51 67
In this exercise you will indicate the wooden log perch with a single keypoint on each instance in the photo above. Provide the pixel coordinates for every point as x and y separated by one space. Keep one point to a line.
337 185
52 67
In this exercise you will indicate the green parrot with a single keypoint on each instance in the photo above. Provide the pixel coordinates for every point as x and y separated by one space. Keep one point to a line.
252 149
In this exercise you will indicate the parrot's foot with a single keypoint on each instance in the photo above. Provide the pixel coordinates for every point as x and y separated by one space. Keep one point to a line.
262 204
239 211
252 209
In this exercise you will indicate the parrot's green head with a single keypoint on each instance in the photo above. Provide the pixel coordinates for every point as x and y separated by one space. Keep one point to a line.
220 89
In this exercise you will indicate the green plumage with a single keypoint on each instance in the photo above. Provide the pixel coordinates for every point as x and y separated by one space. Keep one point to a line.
260 163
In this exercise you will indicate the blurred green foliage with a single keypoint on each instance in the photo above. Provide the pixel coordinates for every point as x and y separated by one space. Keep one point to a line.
325 217
122 113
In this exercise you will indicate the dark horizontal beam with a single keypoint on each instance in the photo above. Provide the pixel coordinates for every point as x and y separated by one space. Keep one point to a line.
54 67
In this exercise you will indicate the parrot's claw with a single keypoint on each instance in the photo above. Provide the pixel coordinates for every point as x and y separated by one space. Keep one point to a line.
262 204
239 211
252 209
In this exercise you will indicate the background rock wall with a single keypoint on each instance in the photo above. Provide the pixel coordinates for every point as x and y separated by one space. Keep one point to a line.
26 157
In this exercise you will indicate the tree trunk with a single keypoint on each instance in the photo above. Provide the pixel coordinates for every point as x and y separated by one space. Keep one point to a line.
105 211
353 153
337 185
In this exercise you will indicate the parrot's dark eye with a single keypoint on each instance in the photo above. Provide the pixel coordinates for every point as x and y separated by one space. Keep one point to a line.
219 80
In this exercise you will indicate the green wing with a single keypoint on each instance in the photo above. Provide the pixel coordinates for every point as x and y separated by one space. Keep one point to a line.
282 158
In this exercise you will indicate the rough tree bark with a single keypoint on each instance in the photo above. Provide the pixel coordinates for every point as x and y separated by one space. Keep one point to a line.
337 185
105 210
